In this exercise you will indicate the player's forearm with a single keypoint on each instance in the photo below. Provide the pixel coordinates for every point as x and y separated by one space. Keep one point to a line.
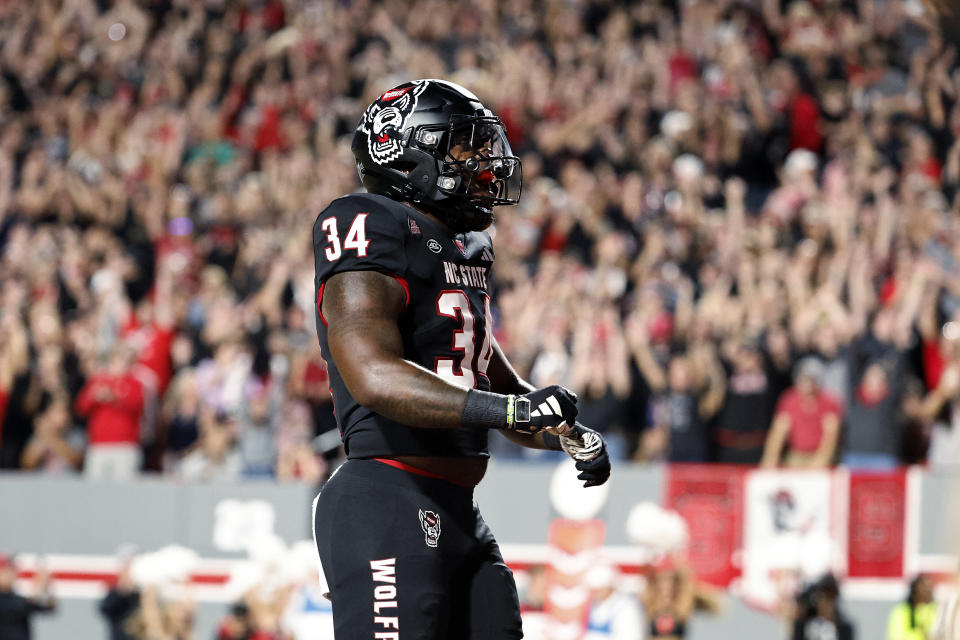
361 309
409 394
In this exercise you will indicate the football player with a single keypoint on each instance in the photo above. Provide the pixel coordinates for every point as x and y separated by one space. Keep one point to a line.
418 380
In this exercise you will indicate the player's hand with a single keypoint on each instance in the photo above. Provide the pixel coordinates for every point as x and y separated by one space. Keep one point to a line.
589 450
549 408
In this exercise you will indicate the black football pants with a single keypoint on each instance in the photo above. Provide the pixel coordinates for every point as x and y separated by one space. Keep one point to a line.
408 557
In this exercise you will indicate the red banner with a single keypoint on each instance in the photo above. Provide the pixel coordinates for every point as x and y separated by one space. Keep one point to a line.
710 499
877 514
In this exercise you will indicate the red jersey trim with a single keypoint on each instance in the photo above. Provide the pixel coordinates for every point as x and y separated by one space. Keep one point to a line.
405 467
421 472
320 303
403 283
406 289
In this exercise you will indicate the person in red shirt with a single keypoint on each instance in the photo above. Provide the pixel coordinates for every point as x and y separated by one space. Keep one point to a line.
112 400
807 420
150 329
153 340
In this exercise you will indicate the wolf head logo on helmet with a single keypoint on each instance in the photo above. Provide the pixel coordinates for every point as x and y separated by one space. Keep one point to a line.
430 523
434 145
385 117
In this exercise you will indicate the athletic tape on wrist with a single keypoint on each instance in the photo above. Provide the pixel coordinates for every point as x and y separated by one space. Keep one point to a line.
485 410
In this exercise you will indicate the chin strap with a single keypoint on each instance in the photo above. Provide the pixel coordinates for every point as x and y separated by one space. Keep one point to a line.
457 220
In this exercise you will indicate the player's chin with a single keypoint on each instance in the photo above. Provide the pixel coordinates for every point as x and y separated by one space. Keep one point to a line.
482 219
474 218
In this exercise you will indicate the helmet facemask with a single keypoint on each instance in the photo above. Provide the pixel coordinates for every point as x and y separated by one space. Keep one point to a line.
477 170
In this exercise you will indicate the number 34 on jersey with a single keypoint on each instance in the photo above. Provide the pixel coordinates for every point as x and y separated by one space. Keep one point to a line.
356 239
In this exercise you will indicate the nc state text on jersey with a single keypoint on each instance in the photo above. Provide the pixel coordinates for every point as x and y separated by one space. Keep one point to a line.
465 275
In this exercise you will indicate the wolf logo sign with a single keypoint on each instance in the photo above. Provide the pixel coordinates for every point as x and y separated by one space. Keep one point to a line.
430 523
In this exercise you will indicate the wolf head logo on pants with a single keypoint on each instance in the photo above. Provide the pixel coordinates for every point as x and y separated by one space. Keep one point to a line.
430 523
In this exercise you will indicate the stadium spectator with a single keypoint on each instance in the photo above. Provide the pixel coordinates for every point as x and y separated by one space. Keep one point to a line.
668 601
113 402
818 613
120 603
297 459
159 619
913 619
753 386
15 383
179 417
687 396
307 613
873 421
257 616
16 610
614 615
56 446
257 425
533 591
834 353
215 458
236 625
807 422
149 331
947 622
941 406
14 363
601 375
309 381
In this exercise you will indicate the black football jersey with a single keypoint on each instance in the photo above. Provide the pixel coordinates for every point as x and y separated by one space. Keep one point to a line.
446 325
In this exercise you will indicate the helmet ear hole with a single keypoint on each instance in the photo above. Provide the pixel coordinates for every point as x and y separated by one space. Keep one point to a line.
472 164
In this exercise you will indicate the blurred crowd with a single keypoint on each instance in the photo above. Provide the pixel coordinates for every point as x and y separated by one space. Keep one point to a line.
273 610
277 606
743 215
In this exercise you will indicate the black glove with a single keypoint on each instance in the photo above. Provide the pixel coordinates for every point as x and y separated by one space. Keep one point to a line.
544 408
589 450
552 407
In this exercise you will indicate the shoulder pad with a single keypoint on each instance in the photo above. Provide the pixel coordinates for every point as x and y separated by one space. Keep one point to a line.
359 233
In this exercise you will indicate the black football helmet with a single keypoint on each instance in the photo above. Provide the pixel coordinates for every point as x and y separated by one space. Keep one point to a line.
433 144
